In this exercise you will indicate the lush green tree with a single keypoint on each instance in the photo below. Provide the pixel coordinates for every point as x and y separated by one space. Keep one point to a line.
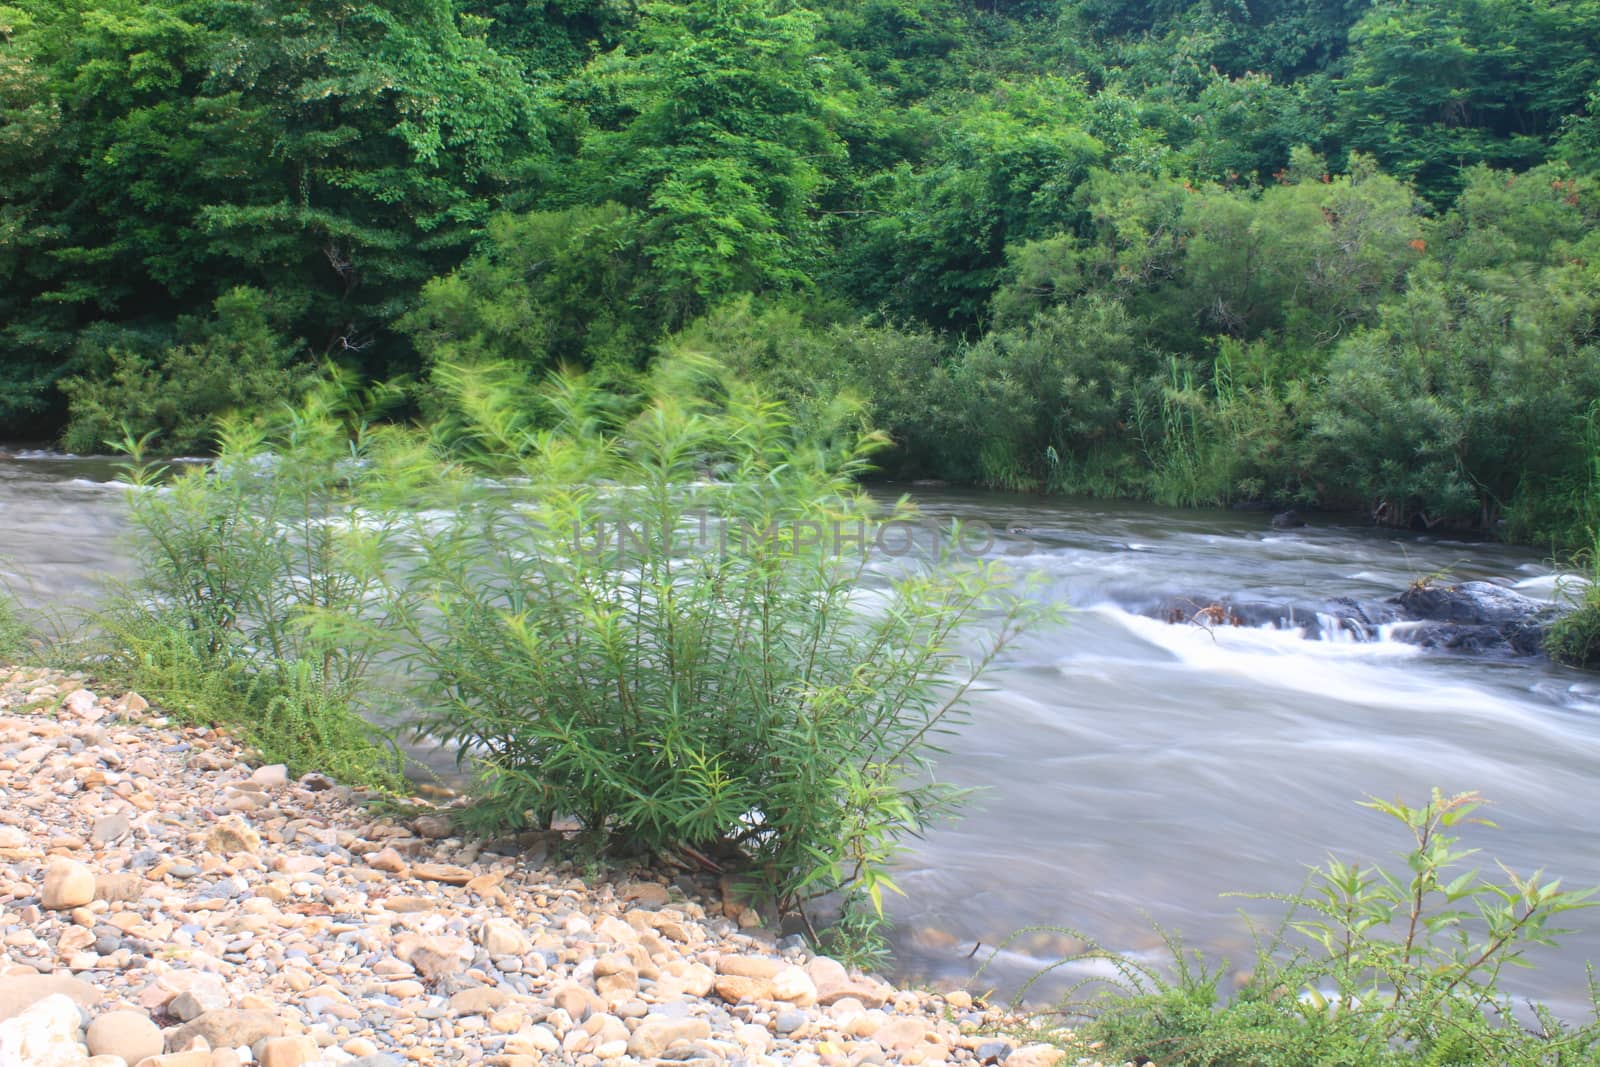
836 372
237 359
715 122
1469 399
934 241
545 289
1047 404
1285 38
1435 86
333 154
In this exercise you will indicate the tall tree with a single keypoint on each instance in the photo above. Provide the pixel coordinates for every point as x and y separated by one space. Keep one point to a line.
331 153
1437 86
715 120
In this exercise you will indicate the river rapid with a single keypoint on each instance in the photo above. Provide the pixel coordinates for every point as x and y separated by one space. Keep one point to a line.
1132 771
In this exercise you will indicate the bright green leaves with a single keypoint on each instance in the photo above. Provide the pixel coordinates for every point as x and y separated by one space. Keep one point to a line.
1370 967
713 119
655 622
1412 940
554 288
1003 170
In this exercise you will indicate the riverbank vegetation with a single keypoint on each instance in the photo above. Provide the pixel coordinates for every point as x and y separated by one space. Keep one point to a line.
1302 253
656 617
1368 967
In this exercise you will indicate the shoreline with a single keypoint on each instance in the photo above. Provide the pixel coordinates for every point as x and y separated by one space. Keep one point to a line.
164 903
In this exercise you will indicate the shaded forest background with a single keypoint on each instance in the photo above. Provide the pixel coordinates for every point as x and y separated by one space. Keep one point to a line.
1315 252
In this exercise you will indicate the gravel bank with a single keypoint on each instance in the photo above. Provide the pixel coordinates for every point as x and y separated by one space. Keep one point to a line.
163 903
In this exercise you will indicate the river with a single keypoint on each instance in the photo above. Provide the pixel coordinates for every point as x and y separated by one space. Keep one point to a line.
1133 771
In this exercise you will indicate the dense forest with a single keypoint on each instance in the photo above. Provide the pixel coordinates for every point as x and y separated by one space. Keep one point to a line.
1330 253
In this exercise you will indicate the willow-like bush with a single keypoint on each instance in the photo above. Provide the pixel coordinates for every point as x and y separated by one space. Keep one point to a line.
668 624
255 600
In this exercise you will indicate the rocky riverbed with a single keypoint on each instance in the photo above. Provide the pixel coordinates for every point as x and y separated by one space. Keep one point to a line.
164 903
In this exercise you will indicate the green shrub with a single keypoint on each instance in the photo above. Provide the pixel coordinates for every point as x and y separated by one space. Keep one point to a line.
829 370
1368 969
643 622
1574 638
236 361
251 602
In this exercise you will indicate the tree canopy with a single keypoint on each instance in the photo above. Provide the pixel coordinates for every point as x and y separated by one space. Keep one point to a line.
1332 253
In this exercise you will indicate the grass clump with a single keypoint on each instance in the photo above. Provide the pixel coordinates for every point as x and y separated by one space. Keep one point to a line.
1574 638
14 632
1369 968
655 615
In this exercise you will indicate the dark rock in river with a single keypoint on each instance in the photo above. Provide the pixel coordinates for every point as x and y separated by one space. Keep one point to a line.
1288 520
1473 618
1326 620
1478 618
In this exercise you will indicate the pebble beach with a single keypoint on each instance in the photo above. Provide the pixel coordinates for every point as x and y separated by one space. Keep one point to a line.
166 902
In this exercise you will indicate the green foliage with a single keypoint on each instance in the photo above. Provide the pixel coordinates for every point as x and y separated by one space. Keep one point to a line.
333 155
1437 86
1280 212
858 937
1369 969
655 622
1574 638
655 615
287 714
715 122
14 632
549 289
833 371
254 579
1046 404
234 362
1003 171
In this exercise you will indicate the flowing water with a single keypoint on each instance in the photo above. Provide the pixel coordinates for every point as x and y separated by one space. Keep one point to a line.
1133 771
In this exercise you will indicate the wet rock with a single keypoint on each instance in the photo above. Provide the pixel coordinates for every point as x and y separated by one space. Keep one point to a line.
1475 618
1472 618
